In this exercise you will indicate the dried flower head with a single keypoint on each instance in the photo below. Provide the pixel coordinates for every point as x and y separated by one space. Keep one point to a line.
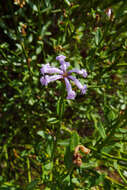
21 3
78 161
77 157
82 148
63 74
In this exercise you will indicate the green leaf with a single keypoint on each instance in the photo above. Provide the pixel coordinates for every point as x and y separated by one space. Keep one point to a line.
101 130
99 126
52 120
32 185
41 133
74 141
100 179
98 36
60 107
68 157
38 50
49 148
47 2
31 101
67 179
30 38
64 142
107 149
111 115
75 180
67 2
49 166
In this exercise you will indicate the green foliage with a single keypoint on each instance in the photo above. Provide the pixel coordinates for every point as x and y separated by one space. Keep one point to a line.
39 129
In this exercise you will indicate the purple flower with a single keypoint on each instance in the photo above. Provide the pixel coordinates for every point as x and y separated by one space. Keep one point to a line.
62 73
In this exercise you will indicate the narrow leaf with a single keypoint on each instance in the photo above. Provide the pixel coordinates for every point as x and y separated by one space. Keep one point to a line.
74 141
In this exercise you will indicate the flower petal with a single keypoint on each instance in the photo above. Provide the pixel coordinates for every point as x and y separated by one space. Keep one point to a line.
50 70
64 66
83 91
47 79
44 68
60 58
81 72
78 84
43 81
70 93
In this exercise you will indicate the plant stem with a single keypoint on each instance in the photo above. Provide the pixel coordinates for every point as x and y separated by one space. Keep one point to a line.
60 111
121 175
28 169
109 155
114 181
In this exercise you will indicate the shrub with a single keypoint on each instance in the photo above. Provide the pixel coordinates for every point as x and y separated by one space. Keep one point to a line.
37 137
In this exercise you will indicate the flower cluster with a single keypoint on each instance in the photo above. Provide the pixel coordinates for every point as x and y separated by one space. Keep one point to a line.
62 73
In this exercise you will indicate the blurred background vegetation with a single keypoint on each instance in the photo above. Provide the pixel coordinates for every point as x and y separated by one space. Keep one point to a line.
32 33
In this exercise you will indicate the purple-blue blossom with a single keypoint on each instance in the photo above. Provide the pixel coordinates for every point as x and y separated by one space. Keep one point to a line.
63 73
